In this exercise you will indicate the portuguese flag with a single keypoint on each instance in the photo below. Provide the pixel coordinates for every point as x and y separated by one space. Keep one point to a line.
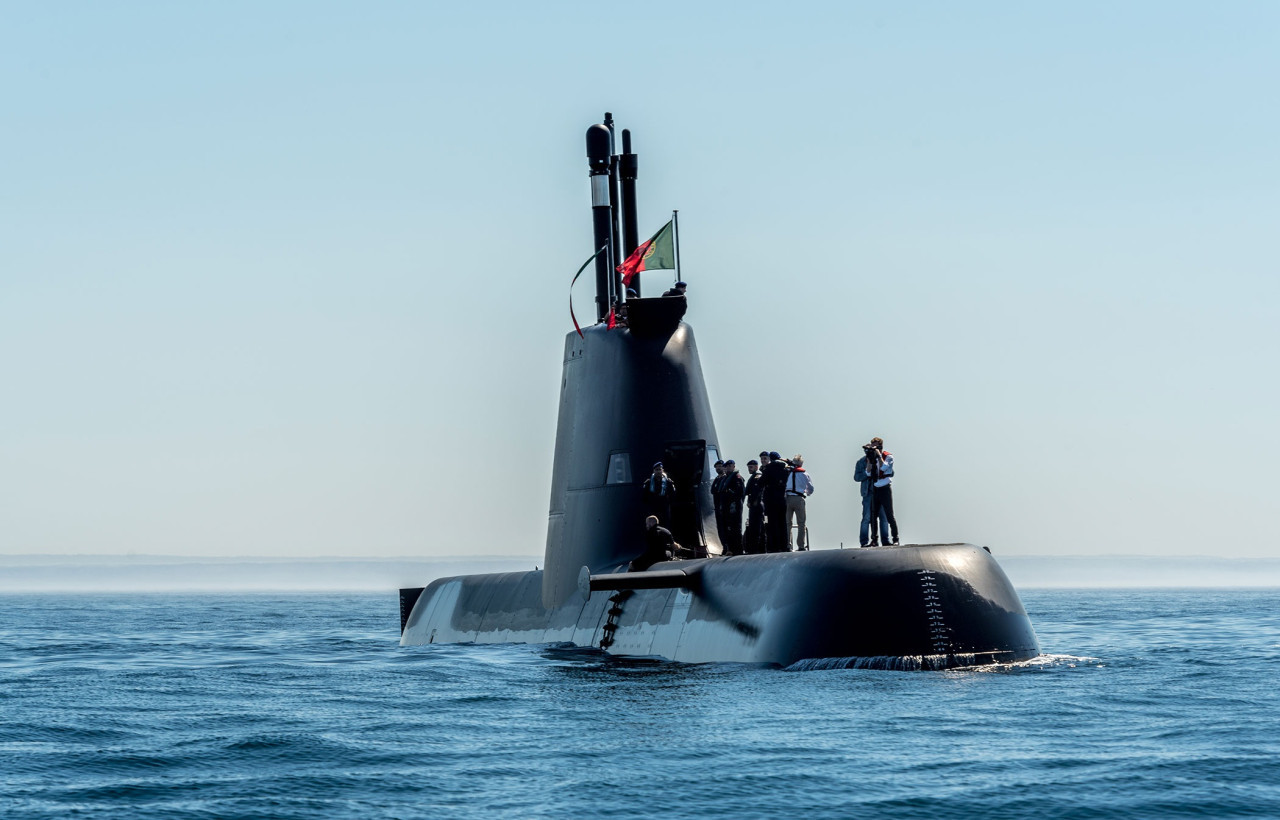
658 253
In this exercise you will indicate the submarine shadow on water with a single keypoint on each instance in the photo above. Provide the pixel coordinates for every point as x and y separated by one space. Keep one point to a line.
594 659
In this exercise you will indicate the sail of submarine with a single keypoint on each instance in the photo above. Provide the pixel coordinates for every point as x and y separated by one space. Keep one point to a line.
634 395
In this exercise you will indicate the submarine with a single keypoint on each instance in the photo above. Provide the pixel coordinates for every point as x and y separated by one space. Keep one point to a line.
632 393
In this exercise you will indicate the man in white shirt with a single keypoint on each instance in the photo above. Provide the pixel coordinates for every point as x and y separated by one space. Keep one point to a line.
880 466
799 487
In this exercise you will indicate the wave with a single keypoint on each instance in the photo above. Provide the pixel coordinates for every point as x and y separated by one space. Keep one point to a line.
933 663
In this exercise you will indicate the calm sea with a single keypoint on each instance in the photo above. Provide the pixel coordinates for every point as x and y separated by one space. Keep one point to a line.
1147 704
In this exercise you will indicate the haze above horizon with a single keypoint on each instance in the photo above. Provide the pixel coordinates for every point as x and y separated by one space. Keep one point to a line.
291 279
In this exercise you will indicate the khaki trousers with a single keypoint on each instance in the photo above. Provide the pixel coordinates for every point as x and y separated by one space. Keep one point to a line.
795 512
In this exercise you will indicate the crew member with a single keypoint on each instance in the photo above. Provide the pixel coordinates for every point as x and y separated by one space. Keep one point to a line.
775 502
716 499
676 290
659 545
753 542
764 518
732 489
867 529
658 492
881 462
799 488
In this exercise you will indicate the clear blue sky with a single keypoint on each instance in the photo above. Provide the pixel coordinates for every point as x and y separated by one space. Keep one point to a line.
291 278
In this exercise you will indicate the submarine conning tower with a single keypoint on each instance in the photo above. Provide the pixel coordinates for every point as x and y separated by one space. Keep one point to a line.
629 396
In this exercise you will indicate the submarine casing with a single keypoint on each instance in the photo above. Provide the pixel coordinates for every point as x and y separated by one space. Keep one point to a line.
915 606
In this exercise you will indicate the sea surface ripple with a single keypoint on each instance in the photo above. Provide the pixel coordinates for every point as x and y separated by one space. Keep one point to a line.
1147 704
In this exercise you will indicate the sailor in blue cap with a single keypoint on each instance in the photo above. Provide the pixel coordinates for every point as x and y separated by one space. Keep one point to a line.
658 492
676 290
717 502
729 504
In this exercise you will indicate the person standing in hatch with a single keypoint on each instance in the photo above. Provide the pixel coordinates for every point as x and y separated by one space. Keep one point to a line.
658 492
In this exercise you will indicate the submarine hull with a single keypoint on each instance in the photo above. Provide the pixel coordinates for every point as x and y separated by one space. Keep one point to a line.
912 606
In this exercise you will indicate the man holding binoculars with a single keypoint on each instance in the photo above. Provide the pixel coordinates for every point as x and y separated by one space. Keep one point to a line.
874 472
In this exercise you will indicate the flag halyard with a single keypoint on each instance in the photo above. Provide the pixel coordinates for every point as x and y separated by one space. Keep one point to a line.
590 259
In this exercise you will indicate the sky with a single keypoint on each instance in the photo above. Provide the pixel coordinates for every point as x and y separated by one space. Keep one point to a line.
291 279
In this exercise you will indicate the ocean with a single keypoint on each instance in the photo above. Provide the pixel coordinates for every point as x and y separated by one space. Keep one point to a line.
1147 703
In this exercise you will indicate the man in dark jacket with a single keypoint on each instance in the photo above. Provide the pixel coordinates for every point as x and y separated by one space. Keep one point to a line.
732 489
753 541
775 502
880 468
659 545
